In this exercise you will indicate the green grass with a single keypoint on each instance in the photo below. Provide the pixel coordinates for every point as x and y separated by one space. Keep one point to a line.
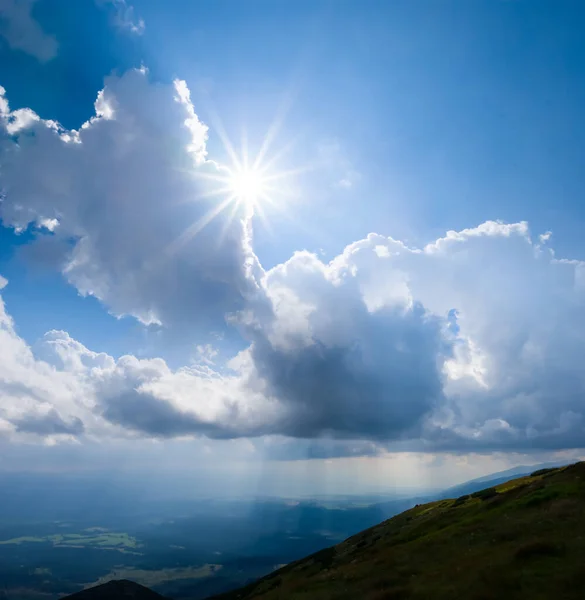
524 539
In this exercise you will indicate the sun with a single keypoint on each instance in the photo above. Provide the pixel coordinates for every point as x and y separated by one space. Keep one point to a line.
254 184
247 185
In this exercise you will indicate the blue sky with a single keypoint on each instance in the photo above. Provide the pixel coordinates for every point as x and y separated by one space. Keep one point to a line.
407 120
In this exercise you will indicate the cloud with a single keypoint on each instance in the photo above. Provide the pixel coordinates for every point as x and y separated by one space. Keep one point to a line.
127 199
124 16
59 389
21 31
516 379
147 397
47 423
345 359
277 447
470 343
36 399
349 178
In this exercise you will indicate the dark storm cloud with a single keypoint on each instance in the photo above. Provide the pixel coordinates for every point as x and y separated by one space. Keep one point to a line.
379 385
50 423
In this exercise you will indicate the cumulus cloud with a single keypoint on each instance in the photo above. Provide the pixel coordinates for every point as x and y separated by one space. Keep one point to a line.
128 206
59 389
21 31
398 349
35 398
516 378
347 361
473 342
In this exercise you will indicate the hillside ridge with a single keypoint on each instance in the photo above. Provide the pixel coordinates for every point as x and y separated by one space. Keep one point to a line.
524 538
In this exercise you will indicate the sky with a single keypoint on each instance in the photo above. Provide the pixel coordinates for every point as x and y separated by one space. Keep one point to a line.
314 246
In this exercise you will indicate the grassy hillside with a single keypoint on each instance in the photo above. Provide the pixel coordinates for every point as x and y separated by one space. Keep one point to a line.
522 539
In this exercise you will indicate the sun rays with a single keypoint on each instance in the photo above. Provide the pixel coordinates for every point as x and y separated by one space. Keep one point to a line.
243 189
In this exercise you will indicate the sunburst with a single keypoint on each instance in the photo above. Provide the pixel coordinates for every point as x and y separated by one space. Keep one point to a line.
249 185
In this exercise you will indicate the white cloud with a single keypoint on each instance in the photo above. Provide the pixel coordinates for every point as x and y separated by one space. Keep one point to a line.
349 178
502 372
127 188
21 31
472 342
477 339
205 354
20 119
59 390
49 224
124 15
36 400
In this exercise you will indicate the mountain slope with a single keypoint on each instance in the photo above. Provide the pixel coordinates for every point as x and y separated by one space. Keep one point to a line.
120 589
523 539
494 479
